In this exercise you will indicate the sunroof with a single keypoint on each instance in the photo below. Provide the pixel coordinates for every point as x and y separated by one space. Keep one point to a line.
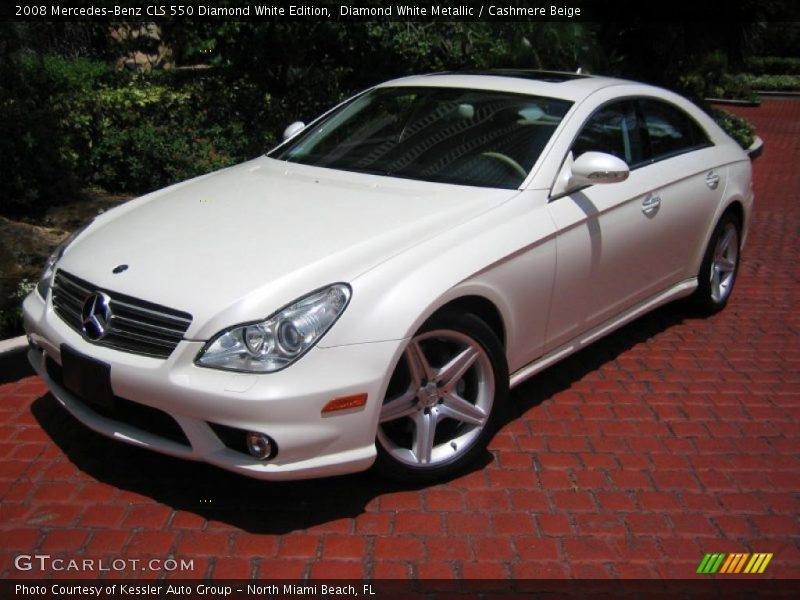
532 74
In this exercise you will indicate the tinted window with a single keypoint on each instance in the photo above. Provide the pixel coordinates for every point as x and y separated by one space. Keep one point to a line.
467 137
614 129
669 129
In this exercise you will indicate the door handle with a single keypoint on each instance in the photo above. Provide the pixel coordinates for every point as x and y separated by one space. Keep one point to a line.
712 180
651 205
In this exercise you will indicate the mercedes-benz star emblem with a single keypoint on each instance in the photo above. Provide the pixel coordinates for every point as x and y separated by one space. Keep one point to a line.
95 315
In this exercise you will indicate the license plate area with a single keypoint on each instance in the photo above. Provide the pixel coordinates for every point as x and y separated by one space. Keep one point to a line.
87 378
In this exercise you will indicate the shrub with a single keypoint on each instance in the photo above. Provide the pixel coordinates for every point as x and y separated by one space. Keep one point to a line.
66 123
43 145
773 65
65 75
773 83
146 136
11 311
148 156
738 128
709 79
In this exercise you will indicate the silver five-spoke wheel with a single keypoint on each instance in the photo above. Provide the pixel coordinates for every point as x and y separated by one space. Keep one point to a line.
724 263
720 265
440 401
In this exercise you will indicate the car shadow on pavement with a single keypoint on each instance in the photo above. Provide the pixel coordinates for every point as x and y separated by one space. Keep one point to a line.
281 507
563 374
252 505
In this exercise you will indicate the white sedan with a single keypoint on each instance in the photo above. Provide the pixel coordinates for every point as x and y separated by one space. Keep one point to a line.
368 291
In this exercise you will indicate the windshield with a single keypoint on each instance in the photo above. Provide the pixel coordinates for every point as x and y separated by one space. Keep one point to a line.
466 137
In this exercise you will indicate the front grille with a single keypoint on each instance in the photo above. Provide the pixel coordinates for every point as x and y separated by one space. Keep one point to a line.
140 416
134 325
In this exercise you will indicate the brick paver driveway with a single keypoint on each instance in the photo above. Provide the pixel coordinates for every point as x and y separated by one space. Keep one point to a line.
672 438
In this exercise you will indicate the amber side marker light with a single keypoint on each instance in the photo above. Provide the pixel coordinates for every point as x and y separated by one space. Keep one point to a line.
344 403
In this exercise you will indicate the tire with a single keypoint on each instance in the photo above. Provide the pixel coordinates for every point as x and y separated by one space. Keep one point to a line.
445 400
720 267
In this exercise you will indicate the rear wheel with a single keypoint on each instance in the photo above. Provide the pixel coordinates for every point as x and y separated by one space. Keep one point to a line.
720 266
444 400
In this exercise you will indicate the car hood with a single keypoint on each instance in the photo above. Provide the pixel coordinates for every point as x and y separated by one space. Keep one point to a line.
238 244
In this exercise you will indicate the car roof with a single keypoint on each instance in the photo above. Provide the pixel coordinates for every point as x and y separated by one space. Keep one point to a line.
552 84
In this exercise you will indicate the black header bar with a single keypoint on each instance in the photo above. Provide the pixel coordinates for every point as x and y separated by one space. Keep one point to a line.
631 11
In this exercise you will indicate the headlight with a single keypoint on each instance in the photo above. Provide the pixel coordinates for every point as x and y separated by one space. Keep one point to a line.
281 339
46 277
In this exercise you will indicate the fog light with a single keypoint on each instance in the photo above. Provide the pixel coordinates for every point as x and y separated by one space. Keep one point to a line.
258 444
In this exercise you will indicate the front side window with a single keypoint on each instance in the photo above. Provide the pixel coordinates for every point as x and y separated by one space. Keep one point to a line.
460 136
614 129
640 131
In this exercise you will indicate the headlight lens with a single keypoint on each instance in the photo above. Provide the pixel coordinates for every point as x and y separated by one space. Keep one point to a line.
46 277
280 340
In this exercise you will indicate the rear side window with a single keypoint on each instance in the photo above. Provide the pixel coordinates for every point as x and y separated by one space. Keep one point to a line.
670 131
614 129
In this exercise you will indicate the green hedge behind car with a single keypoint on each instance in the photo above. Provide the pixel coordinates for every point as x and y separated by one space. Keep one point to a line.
773 83
736 127
68 123
773 65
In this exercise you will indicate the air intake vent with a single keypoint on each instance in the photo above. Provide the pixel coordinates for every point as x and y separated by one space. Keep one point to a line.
133 325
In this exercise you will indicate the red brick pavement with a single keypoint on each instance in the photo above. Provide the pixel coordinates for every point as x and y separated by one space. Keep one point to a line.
672 438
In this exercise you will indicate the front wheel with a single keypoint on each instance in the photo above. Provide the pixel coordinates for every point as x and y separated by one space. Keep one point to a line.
720 266
444 400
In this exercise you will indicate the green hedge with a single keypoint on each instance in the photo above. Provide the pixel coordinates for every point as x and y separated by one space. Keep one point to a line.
143 136
738 128
773 83
773 65
709 78
11 309
38 160
68 123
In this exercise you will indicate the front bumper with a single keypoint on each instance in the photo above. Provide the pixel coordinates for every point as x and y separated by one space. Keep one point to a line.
285 405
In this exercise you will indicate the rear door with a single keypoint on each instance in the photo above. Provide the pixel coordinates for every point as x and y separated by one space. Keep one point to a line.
683 168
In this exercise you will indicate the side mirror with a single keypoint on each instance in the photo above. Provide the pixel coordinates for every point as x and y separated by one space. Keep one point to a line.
293 129
597 167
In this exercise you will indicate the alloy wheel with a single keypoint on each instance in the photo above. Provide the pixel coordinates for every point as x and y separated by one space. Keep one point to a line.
724 263
439 400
